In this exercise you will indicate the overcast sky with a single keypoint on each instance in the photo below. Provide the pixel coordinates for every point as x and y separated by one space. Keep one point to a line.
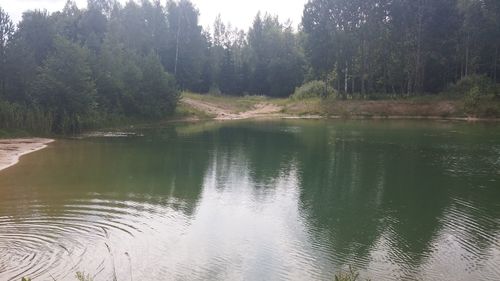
239 12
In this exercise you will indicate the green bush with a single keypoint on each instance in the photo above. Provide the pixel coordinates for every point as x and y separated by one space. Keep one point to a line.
471 100
483 84
312 89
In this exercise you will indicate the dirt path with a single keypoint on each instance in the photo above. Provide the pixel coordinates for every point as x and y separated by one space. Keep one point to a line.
12 149
260 110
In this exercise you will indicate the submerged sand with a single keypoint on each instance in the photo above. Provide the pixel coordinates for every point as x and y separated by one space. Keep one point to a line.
12 149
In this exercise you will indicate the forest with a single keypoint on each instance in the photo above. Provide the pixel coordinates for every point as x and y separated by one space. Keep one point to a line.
74 69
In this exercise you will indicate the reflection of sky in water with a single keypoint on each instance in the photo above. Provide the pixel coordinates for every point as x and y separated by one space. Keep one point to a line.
244 229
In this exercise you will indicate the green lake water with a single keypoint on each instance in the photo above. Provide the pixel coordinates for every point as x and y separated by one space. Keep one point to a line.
268 200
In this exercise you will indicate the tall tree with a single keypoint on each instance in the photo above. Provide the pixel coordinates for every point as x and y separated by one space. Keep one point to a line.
186 44
6 32
32 42
319 37
65 87
275 57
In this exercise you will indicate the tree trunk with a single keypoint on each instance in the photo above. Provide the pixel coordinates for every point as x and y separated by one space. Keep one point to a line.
386 76
353 81
467 55
409 87
363 66
177 43
418 63
337 80
346 79
495 65
326 86
2 69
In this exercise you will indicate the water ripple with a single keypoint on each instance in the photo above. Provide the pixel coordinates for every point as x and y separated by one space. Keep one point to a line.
50 242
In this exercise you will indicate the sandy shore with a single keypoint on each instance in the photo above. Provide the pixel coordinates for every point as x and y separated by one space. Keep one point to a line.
220 113
12 149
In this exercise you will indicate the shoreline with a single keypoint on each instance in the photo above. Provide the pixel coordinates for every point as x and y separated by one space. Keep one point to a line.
223 108
336 117
11 150
394 117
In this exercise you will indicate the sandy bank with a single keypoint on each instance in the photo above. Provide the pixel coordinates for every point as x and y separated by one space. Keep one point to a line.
259 110
236 108
12 149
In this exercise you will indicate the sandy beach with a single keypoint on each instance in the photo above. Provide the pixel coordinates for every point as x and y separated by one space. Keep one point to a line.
12 149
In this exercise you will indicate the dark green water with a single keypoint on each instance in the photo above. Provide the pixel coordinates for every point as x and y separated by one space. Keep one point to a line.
295 200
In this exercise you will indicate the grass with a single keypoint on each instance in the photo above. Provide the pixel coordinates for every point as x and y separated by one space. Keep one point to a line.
236 104
427 106
488 107
186 112
349 275
81 276
13 133
304 107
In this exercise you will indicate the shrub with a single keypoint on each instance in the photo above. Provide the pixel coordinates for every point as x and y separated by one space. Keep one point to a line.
471 100
464 86
312 89
214 90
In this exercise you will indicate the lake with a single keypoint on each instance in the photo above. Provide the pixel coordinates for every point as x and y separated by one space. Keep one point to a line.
258 200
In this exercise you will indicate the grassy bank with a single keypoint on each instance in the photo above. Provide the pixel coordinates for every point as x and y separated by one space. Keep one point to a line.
237 104
432 107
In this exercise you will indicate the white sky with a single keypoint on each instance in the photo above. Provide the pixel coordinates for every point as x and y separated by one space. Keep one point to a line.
240 13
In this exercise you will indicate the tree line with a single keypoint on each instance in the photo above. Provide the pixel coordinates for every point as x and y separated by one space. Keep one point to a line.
78 68
402 47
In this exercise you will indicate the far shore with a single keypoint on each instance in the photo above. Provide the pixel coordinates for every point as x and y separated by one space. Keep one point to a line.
195 107
12 149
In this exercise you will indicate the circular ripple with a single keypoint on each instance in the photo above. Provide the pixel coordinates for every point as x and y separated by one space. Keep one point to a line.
45 242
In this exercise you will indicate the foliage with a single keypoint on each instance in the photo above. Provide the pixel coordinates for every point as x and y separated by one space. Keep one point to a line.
312 89
80 68
266 61
77 69
349 275
81 276
214 90
481 84
405 47
158 94
276 61
6 33
64 86
15 116
471 100
185 55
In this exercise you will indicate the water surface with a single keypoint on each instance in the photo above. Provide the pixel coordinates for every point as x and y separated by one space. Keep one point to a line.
280 200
